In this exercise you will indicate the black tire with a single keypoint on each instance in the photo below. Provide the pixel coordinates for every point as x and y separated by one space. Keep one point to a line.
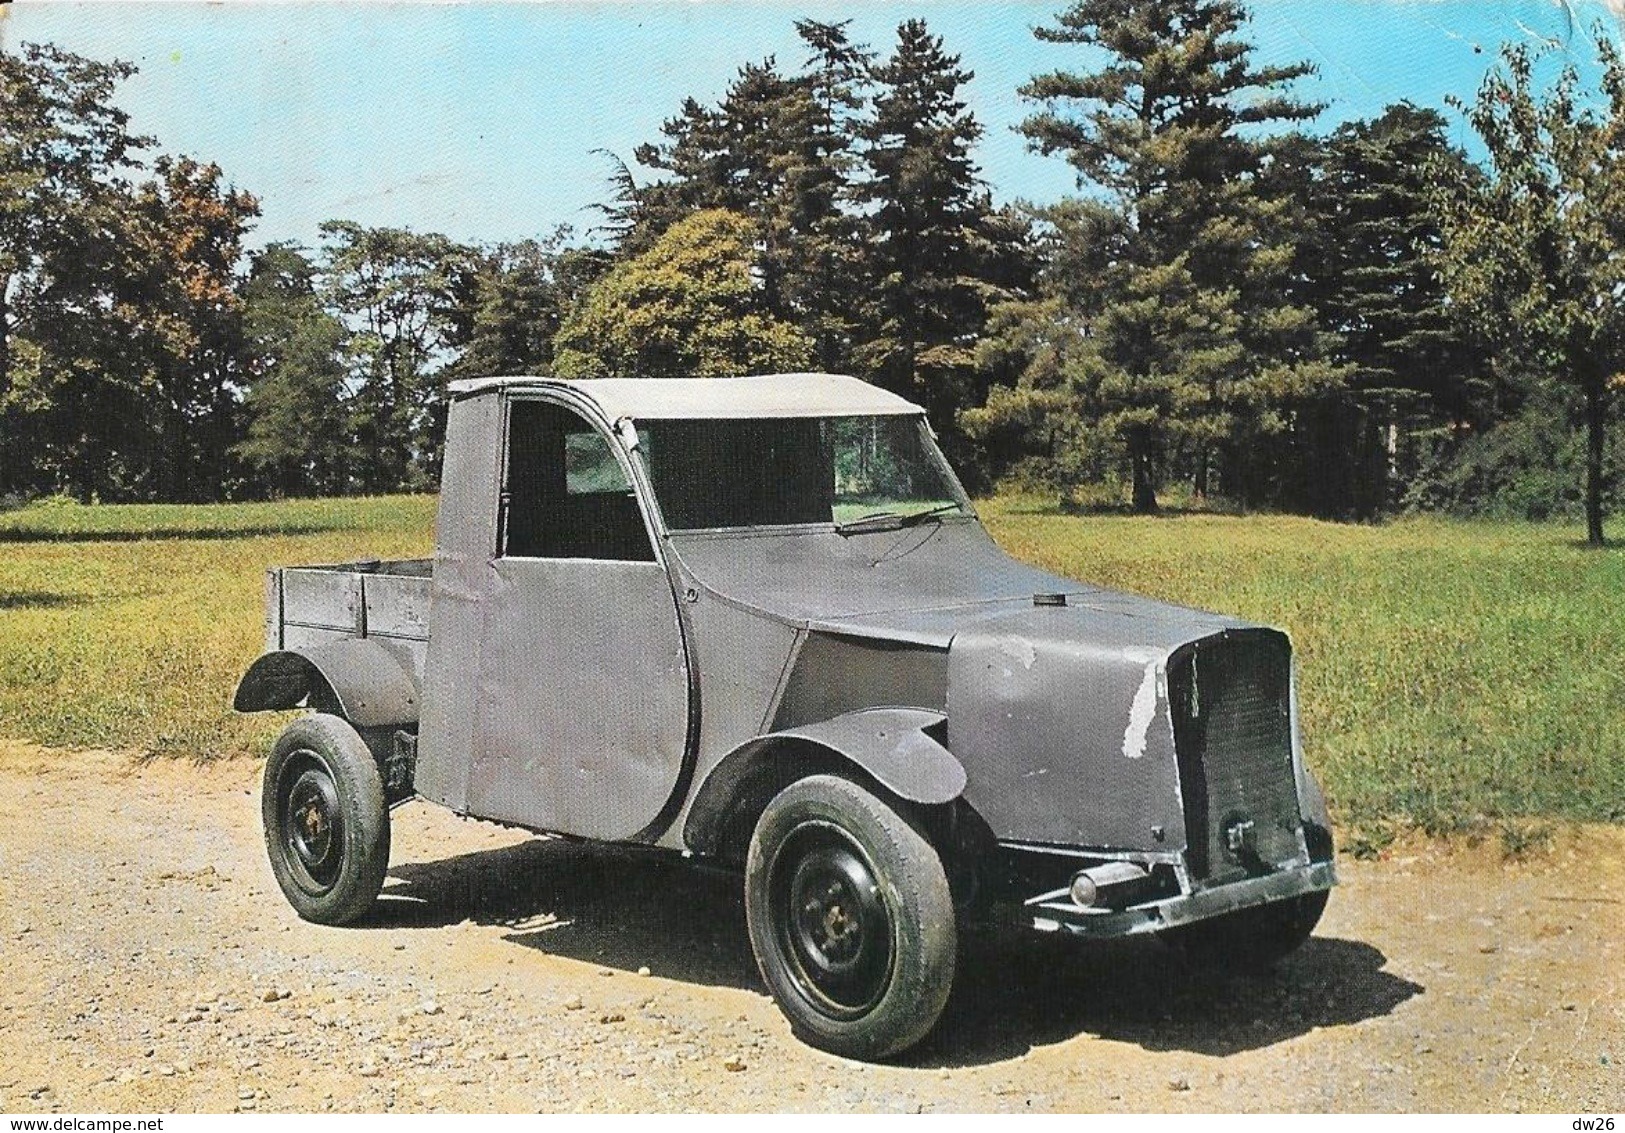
326 821
1250 940
850 917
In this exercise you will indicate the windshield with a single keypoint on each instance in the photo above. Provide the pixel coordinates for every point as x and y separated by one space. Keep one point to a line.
760 472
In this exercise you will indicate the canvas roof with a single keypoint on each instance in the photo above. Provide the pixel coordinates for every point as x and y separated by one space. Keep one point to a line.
767 395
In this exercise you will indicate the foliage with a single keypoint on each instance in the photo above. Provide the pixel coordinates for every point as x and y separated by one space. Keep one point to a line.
1229 306
517 299
939 255
298 425
398 291
1190 338
690 306
1535 251
1527 466
1366 246
183 243
66 155
874 237
777 149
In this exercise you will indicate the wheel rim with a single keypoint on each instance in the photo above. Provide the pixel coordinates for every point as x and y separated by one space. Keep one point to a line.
312 822
833 925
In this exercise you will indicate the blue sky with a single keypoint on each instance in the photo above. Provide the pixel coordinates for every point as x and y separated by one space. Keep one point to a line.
479 120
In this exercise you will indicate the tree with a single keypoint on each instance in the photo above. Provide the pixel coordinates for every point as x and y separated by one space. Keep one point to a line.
399 291
1367 238
1190 342
1535 251
517 298
778 150
938 254
298 422
823 265
690 306
183 244
66 152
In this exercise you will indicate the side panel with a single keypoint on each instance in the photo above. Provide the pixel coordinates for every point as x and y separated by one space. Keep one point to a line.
318 598
582 702
741 658
397 615
464 546
835 674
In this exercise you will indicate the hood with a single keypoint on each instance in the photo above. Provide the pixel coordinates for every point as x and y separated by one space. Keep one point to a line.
919 585
1062 711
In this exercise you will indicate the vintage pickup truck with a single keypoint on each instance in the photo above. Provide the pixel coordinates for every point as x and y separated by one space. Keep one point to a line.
756 621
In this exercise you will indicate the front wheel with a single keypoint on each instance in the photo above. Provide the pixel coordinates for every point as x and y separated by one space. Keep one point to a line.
326 820
850 917
1250 940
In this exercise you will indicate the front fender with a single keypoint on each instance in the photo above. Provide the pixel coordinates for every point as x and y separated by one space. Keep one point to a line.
357 679
894 746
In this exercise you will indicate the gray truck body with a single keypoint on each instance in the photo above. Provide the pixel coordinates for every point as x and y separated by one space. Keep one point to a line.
652 695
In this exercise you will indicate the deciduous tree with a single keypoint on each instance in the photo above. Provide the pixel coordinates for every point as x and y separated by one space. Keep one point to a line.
1535 251
398 291
66 159
298 440
690 306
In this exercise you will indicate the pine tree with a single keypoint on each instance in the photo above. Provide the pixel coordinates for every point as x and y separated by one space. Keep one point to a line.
778 150
1366 263
937 253
1191 344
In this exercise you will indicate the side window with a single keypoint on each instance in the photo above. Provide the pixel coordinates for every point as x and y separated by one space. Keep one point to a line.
564 494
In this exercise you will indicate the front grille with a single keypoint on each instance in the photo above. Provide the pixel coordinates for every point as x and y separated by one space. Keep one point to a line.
1231 698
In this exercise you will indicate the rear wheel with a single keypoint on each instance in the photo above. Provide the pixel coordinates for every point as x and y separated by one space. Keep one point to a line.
326 820
850 917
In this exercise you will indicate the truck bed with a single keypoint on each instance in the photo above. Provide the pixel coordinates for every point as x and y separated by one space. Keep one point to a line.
386 601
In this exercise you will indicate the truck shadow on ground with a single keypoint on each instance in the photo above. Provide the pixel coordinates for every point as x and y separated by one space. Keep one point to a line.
629 910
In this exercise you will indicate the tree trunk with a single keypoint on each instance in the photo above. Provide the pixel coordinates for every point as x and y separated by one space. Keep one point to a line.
1145 489
1596 417
1199 485
5 378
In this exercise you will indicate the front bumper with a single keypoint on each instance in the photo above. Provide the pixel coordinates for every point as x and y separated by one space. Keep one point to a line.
1055 912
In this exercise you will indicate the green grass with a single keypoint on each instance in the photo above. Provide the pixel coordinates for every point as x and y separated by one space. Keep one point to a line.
128 626
1454 674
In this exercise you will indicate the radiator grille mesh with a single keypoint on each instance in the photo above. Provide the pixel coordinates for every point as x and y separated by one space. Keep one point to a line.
1233 731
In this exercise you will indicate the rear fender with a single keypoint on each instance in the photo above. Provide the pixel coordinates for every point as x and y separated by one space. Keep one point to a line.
357 679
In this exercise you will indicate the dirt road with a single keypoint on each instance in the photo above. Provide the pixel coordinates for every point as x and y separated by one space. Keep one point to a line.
150 964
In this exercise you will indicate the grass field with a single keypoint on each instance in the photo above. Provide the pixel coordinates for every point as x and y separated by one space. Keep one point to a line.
1455 676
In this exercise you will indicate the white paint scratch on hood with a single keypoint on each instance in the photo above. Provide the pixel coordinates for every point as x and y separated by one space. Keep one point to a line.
1153 689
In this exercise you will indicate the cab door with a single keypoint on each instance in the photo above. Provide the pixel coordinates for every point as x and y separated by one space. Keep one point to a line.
581 713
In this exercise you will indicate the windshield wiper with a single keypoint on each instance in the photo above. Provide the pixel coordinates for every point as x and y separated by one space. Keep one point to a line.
891 520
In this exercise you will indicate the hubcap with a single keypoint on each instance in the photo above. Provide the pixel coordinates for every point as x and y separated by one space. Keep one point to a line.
312 823
834 928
